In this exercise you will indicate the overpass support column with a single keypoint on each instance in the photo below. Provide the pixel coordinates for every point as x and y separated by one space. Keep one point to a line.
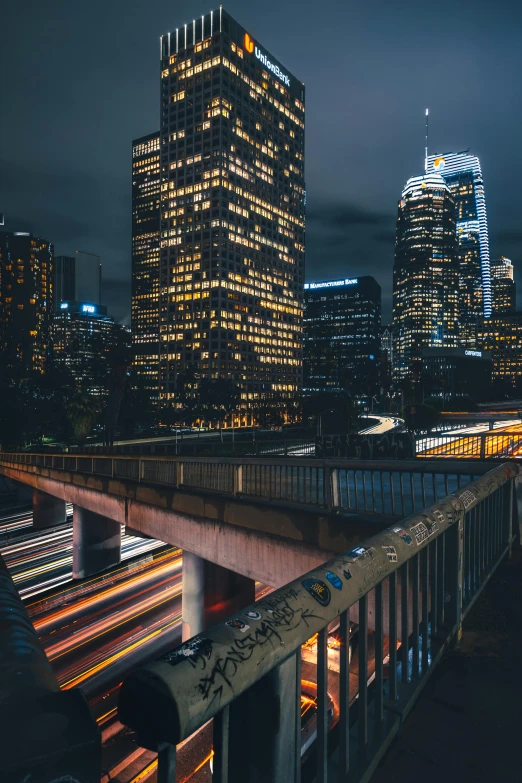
96 542
48 511
211 593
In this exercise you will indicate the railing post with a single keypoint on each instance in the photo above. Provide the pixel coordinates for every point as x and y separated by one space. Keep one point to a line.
453 570
483 446
262 728
179 474
331 477
517 526
238 479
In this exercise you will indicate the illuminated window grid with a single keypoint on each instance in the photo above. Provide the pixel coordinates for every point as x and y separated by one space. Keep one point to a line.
232 231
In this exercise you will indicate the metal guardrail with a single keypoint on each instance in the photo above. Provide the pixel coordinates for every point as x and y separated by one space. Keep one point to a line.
503 444
408 588
391 487
47 734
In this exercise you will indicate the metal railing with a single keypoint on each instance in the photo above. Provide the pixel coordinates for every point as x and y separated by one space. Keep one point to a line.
390 487
406 590
504 444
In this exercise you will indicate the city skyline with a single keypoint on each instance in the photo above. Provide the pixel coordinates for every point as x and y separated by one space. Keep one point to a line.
360 146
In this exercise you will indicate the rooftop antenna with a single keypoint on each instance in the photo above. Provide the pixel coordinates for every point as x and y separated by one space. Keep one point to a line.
426 145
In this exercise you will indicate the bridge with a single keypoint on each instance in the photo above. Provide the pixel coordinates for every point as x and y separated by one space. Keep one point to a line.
390 554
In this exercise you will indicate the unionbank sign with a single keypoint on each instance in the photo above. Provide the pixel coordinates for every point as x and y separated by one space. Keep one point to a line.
253 49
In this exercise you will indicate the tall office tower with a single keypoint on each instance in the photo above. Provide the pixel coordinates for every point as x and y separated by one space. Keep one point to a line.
503 287
82 336
341 343
26 297
501 335
462 174
145 260
232 210
77 278
425 275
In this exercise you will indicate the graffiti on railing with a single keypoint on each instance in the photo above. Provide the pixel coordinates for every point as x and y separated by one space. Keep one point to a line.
393 445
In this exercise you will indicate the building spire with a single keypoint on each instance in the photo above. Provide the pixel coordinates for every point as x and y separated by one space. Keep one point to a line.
426 144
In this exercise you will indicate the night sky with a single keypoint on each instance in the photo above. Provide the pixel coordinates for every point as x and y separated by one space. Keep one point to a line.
81 80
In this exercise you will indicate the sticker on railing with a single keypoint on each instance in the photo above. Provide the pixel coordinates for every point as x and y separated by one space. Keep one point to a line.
196 648
347 574
317 590
359 552
253 614
467 498
404 535
391 553
334 580
420 532
237 625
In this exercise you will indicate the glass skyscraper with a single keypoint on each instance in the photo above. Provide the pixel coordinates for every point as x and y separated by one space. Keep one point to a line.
425 274
232 210
342 324
503 287
26 297
462 173
145 260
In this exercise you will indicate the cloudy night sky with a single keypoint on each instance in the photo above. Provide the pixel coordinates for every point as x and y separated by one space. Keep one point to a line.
81 80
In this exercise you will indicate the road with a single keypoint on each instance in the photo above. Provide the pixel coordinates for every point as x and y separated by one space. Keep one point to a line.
466 443
385 424
42 560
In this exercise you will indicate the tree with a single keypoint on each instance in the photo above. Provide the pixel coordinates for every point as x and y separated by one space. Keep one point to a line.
339 410
81 413
217 398
420 417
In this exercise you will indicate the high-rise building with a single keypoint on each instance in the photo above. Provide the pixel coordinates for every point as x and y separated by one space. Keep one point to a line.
425 274
232 210
456 372
26 297
501 336
341 342
82 336
77 278
462 173
145 260
503 287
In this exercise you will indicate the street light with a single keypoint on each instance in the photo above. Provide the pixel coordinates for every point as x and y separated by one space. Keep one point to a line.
320 421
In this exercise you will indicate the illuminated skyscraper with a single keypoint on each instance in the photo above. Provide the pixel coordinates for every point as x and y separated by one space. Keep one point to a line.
232 210
26 297
425 275
145 259
342 324
503 287
462 173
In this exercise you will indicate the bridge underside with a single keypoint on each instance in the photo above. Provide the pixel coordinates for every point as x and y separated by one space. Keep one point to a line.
267 543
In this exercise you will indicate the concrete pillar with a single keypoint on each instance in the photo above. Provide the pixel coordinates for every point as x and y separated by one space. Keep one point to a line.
96 543
48 511
211 593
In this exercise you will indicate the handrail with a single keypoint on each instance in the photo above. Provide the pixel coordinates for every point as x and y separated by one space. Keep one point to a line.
33 709
167 700
419 466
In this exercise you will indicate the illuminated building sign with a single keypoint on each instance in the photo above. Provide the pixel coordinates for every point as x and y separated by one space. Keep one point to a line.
88 308
251 47
331 283
473 353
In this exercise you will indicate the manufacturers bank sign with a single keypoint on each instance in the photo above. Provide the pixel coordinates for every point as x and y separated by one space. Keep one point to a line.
251 47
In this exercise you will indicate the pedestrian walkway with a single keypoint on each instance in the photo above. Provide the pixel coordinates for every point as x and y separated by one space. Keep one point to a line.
467 724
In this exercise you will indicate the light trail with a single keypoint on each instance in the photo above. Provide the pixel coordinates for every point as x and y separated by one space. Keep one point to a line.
163 565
